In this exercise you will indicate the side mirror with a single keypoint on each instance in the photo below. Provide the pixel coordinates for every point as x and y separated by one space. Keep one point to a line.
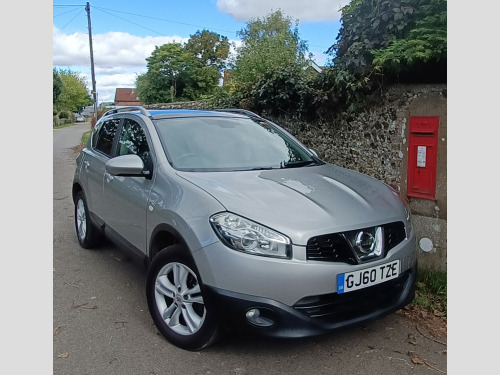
125 165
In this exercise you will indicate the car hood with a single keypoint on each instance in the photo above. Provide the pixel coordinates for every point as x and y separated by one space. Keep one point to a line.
303 202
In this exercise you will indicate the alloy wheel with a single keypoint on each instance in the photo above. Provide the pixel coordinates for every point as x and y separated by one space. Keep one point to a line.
178 299
81 220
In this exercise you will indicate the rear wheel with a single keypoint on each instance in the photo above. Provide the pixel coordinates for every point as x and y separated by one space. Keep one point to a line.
176 300
88 235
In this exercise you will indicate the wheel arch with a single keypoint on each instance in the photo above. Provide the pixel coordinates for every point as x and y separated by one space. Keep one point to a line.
75 190
165 235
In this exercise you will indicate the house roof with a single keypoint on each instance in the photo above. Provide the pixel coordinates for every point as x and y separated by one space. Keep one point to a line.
126 95
315 66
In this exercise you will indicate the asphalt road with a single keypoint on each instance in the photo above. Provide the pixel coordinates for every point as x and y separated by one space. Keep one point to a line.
102 325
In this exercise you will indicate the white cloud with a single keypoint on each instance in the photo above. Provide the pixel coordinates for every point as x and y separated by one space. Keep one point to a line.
118 57
110 50
312 10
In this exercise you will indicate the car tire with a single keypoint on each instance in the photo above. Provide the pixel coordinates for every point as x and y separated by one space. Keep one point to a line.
86 232
177 302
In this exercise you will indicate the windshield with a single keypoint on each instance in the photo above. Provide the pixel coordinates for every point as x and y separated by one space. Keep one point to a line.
228 143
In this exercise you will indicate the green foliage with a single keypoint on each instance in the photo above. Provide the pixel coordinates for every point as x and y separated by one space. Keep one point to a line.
425 43
74 95
337 90
63 115
210 48
57 86
431 291
368 25
148 92
224 98
283 91
382 38
179 72
269 43
166 69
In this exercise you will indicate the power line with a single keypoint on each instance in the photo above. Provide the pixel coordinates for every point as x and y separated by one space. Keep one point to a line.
108 10
69 11
170 21
133 23
161 19
76 15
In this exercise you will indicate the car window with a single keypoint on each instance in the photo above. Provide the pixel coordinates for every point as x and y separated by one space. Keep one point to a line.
133 141
105 136
222 143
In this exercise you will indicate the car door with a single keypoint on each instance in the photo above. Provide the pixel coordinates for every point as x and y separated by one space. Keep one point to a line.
95 157
126 198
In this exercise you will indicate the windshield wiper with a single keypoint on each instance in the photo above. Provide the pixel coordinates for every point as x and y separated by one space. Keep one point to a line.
296 164
262 168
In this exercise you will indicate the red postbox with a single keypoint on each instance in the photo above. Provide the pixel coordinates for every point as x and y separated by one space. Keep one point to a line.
422 157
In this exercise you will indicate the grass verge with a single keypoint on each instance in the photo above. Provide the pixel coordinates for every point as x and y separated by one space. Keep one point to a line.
83 142
63 125
431 291
428 309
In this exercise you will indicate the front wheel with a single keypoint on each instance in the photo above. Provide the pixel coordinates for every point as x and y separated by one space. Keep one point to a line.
88 235
176 300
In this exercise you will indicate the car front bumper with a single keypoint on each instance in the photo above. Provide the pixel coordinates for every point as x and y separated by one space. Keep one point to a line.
299 297
313 315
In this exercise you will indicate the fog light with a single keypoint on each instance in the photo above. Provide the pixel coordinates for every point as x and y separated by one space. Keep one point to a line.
254 317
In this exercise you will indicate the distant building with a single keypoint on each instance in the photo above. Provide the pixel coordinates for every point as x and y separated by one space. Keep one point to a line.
127 97
314 66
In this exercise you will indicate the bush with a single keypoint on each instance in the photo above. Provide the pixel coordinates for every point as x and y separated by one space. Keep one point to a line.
63 114
223 99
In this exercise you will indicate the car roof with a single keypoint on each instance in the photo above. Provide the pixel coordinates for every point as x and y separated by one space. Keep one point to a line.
170 113
157 114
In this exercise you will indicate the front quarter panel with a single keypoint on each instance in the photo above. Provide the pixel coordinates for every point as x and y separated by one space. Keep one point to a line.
182 206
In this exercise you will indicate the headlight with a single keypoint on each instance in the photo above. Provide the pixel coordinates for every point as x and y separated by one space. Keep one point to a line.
245 235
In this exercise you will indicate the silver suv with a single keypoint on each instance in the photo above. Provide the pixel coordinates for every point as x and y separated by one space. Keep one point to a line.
240 224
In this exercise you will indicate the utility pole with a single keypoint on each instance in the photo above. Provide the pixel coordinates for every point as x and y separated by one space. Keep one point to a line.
94 91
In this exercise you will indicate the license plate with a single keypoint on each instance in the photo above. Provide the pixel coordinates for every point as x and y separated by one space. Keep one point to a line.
347 282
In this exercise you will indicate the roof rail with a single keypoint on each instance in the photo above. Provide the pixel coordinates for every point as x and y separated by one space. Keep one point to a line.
143 110
240 111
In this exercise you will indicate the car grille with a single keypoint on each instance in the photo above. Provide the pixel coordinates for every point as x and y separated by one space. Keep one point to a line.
394 234
330 248
336 308
335 248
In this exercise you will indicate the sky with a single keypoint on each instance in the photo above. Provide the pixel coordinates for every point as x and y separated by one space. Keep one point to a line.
125 33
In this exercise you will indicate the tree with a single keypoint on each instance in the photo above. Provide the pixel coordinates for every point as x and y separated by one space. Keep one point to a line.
269 43
184 72
424 49
166 66
211 49
74 95
397 33
57 86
